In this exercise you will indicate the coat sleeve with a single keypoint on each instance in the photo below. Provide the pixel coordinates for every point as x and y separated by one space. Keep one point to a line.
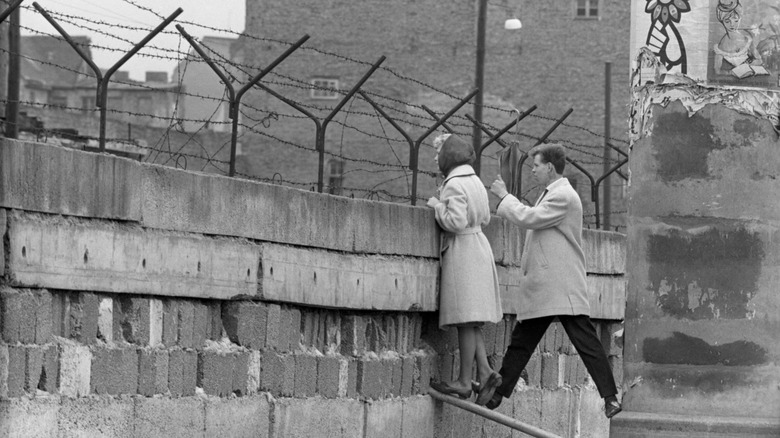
452 211
549 213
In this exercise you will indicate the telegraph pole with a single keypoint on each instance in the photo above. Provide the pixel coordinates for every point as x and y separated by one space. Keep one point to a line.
12 97
479 80
607 150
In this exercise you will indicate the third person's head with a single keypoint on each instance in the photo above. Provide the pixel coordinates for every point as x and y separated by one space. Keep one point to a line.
549 162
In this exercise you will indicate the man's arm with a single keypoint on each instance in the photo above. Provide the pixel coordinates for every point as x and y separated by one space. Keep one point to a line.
549 213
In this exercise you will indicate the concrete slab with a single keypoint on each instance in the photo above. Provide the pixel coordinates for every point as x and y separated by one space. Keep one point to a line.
384 418
645 425
243 417
592 422
418 417
75 368
108 417
322 278
607 295
303 418
57 180
66 254
210 204
29 418
605 251
171 418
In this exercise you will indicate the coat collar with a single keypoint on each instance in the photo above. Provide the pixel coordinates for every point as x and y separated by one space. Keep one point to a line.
462 170
560 182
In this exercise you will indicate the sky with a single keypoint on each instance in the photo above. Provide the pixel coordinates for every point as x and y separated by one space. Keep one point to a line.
95 16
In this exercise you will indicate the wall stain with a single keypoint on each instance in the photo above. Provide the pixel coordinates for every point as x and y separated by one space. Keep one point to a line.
707 275
745 128
682 349
683 144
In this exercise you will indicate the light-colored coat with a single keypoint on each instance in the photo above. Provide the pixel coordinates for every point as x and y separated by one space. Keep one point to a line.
468 291
553 263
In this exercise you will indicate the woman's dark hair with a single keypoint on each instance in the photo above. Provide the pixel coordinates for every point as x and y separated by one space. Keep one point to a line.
551 153
455 152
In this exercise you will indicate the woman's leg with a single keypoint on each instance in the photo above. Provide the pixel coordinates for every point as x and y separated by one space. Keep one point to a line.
483 366
467 342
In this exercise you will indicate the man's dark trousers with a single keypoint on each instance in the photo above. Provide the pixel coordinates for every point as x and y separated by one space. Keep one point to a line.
582 335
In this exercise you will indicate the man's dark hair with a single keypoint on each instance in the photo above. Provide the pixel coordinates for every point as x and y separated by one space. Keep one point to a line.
551 153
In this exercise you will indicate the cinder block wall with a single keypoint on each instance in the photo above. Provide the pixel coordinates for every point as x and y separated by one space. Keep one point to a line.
138 300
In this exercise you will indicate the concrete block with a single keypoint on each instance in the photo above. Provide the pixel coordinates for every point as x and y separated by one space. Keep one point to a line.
418 417
424 366
29 418
132 318
396 370
241 377
353 335
390 324
498 341
560 411
576 373
82 313
216 332
407 375
245 322
330 279
128 260
489 336
321 331
278 375
547 343
332 329
305 375
273 333
201 324
612 338
75 369
105 324
328 374
384 418
448 366
94 185
114 371
170 332
182 372
155 322
254 372
527 406
592 422
371 378
17 367
3 227
18 315
310 321
180 417
244 417
215 373
291 324
186 323
616 363
51 369
3 371
534 368
551 371
174 199
352 378
605 251
303 418
607 296
110 417
33 368
152 372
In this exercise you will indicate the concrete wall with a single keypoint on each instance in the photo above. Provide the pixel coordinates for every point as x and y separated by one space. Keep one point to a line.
140 300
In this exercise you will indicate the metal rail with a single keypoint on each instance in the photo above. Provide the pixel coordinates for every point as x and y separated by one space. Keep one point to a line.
492 415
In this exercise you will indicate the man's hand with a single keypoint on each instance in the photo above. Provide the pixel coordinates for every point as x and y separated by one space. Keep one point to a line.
498 187
433 201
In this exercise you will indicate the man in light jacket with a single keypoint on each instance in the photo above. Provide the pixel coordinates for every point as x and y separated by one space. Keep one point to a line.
553 278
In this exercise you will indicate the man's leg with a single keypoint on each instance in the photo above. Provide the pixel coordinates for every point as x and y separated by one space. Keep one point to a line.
582 335
525 337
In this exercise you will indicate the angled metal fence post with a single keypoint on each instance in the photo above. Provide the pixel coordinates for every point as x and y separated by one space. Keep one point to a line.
11 8
415 153
329 117
625 155
495 137
436 117
235 96
595 182
406 136
103 79
540 141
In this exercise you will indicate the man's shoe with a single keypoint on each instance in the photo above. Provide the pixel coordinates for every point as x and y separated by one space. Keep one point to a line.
494 402
612 408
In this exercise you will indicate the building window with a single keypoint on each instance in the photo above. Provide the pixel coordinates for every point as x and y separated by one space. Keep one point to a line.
335 177
87 104
324 88
587 9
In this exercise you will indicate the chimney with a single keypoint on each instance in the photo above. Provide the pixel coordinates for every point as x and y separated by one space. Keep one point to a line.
121 75
157 76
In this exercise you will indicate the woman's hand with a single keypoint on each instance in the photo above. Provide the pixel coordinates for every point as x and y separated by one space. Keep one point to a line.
498 187
433 201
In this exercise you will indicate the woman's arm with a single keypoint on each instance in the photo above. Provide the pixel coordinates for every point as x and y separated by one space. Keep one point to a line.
451 212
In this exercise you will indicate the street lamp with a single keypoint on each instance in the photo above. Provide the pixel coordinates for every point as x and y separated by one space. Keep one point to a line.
479 77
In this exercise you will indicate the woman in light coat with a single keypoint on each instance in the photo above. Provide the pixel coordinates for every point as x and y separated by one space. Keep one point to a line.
469 292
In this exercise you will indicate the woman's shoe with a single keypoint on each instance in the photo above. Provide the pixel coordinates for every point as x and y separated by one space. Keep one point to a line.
446 388
487 390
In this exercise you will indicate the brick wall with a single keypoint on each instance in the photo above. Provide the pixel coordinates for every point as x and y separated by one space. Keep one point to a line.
140 300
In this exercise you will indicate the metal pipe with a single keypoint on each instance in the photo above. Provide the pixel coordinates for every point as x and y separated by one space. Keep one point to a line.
607 156
14 74
492 415
479 76
327 120
11 8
